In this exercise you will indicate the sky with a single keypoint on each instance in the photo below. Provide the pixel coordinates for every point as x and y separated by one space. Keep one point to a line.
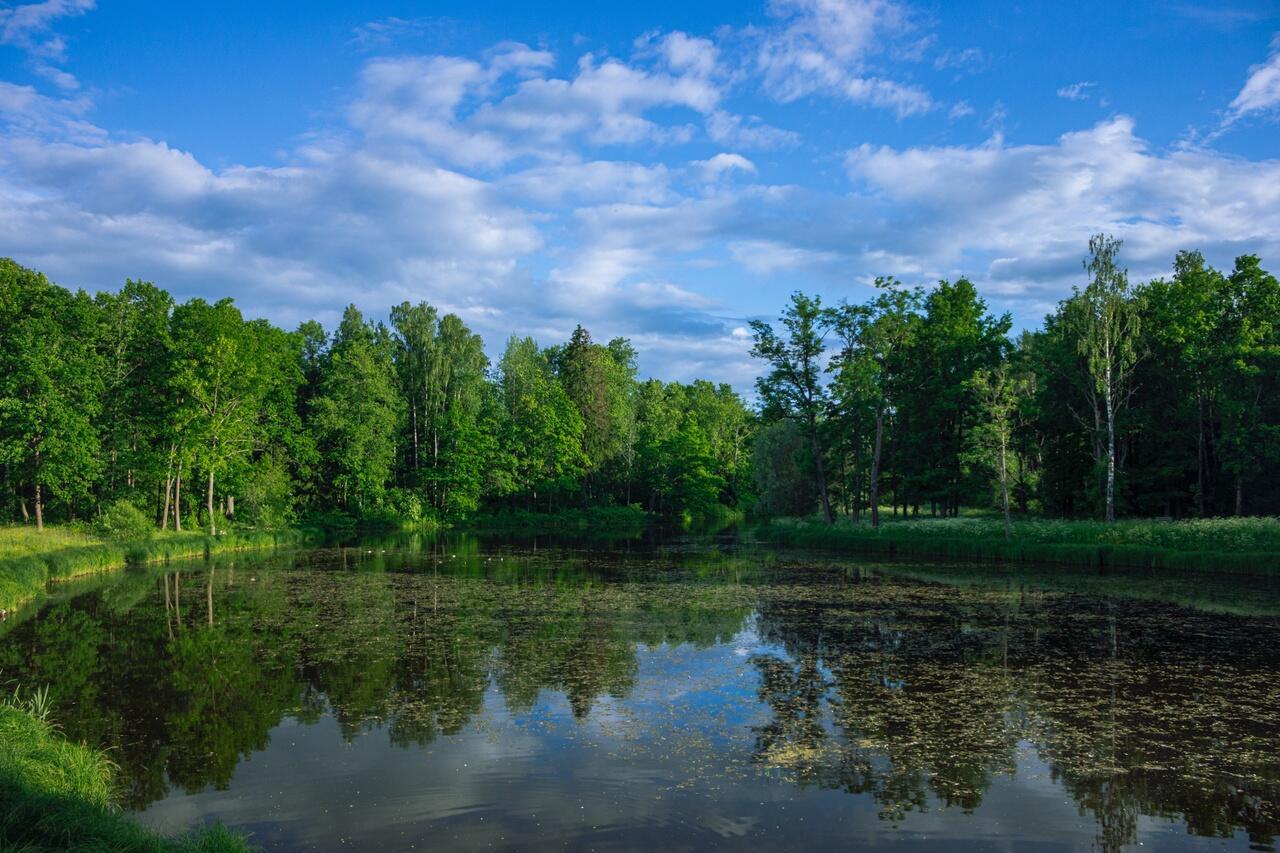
661 171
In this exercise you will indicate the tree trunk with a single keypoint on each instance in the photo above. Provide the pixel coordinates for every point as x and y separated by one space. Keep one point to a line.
875 470
1004 490
1200 453
177 502
1239 496
168 490
1111 455
208 503
39 508
818 470
857 481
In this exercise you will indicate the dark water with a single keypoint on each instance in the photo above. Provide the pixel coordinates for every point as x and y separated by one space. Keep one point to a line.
465 694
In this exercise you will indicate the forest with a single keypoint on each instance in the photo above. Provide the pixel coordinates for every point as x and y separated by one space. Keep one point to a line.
1153 399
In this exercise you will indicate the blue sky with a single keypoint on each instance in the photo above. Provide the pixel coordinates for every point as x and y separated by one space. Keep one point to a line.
662 171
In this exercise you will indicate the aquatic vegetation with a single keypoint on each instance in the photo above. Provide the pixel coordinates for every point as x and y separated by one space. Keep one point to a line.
697 674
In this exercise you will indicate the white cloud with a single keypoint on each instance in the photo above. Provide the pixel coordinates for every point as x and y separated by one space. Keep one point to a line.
825 46
1261 91
970 60
721 164
1076 91
1018 216
29 26
748 132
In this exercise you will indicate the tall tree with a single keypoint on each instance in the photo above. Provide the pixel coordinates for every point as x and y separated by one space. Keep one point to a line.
219 381
1105 320
794 387
357 414
871 362
50 386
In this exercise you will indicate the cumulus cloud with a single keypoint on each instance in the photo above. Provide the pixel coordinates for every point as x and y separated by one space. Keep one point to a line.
1261 91
1016 216
530 192
721 164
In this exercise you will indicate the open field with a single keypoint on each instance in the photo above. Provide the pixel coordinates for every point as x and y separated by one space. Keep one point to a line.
1222 544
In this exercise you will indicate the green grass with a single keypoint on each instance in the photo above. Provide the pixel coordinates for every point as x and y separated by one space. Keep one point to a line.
30 559
58 795
1226 544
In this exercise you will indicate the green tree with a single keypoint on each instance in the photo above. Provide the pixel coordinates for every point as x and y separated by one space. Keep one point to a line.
1105 321
50 386
357 414
793 387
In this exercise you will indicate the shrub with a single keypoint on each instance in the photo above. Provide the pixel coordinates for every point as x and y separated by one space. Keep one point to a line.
122 521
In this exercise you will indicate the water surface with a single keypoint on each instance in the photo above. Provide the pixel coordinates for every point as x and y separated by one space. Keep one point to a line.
465 693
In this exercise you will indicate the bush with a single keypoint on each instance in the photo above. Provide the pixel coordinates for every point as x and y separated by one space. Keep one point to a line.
124 522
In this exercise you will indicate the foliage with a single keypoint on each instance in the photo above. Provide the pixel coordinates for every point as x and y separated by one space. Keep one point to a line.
122 521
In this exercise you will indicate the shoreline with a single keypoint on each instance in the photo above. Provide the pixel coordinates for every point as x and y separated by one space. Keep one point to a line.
24 579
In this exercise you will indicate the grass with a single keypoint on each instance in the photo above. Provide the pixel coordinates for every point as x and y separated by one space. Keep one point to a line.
29 559
58 795
1226 544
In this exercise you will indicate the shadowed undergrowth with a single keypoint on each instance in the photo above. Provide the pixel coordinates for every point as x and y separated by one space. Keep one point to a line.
1226 545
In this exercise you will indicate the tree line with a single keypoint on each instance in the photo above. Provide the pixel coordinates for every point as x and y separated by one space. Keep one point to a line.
1157 399
194 414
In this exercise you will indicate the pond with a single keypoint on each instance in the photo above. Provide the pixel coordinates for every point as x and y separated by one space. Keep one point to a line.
462 693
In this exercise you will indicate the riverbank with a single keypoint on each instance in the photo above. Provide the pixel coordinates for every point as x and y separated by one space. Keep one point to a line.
29 560
1241 545
58 795
601 518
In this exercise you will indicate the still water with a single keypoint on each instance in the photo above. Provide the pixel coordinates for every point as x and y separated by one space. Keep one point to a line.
464 693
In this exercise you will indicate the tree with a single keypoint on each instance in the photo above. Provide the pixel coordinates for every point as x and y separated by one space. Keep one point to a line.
219 381
50 386
870 364
542 431
357 414
793 387
998 392
1104 318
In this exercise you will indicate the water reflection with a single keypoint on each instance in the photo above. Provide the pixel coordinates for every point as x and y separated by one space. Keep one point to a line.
704 681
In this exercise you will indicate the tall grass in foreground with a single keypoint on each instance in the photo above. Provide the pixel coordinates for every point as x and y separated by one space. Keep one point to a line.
29 560
58 795
1226 544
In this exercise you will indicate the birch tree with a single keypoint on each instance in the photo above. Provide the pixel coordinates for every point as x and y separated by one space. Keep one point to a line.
1105 320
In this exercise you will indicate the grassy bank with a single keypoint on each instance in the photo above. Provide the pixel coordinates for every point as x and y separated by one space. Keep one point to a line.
30 559
1245 545
58 795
